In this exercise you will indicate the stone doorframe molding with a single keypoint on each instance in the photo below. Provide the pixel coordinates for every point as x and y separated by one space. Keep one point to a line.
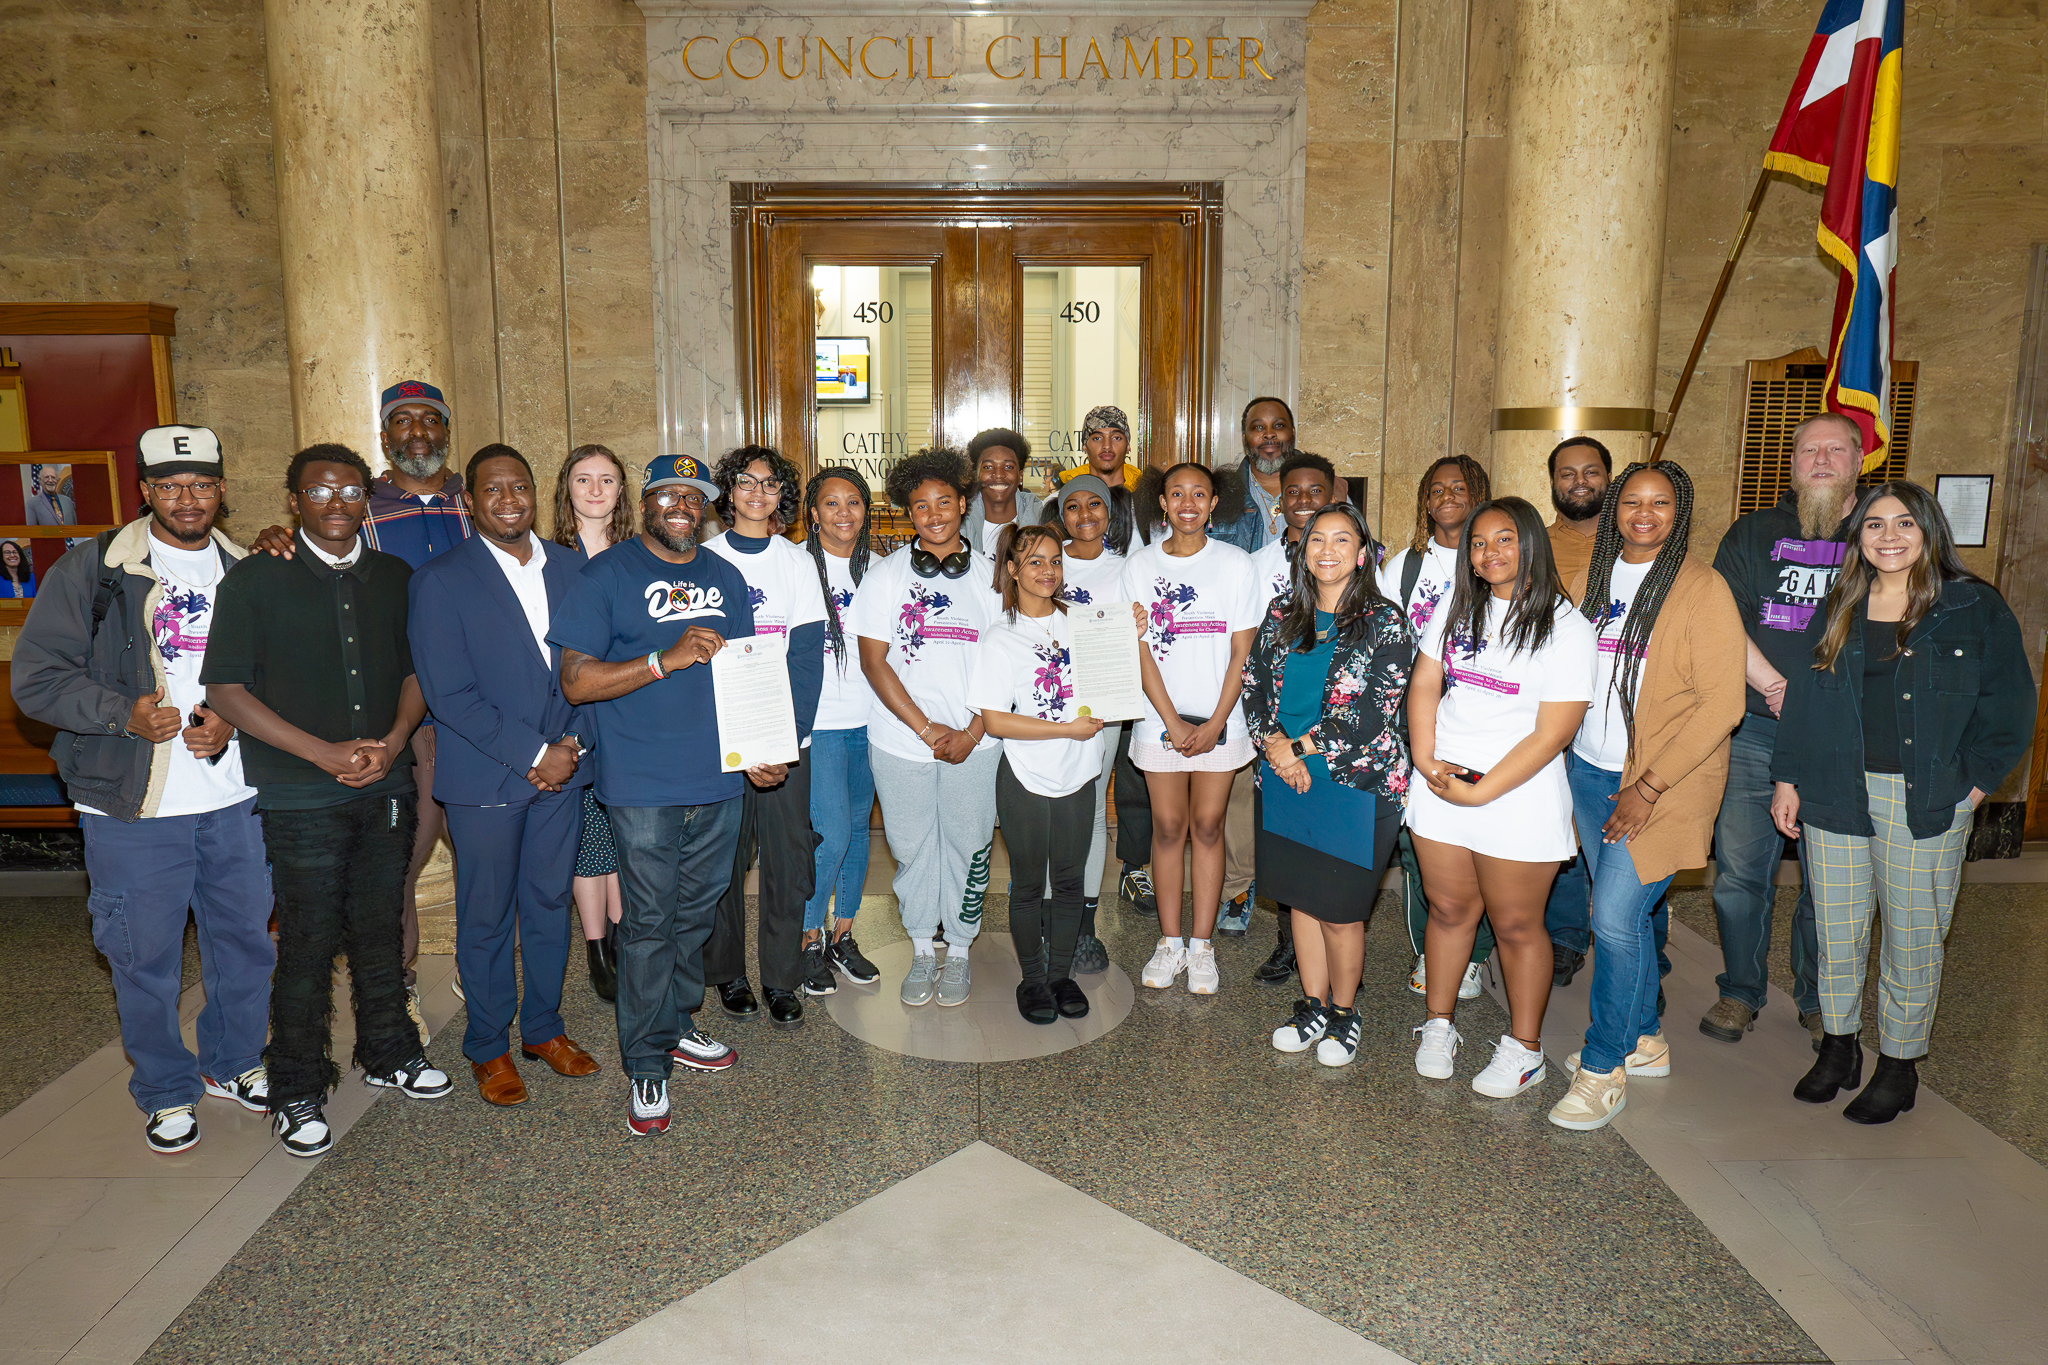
971 126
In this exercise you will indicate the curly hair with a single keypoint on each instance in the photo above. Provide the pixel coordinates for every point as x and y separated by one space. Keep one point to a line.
941 463
1145 499
1478 488
999 436
619 526
734 463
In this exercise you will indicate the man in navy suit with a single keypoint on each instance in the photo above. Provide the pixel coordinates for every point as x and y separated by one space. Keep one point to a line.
508 770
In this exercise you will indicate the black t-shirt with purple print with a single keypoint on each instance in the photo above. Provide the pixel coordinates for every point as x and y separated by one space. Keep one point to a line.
1779 579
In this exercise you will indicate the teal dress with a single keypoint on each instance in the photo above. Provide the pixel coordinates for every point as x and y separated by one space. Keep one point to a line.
1293 874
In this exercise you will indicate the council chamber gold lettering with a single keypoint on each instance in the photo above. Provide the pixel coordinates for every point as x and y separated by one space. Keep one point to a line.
1010 57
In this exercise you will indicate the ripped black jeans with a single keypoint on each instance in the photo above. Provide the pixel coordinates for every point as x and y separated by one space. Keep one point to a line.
339 877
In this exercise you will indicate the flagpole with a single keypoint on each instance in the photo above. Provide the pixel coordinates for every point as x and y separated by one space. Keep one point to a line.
1699 343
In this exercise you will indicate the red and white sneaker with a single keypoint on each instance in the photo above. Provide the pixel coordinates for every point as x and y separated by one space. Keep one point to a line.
647 1111
251 1089
1514 1068
700 1052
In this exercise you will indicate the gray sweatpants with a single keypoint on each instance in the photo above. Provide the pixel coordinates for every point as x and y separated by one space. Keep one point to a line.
939 818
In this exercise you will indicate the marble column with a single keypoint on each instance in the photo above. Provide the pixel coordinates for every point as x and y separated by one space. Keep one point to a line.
360 209
1589 129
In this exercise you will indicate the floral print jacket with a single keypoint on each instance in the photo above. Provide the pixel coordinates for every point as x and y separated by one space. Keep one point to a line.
1360 734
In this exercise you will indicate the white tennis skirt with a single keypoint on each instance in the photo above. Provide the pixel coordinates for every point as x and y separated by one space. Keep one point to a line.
1226 757
1531 824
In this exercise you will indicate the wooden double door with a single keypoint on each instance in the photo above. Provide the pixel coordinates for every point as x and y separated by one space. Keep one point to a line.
874 320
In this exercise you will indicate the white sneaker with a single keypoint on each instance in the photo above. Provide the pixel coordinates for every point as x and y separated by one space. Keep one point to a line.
172 1130
1592 1102
1652 1057
1167 960
1203 978
1468 989
1513 1069
1341 1045
1438 1049
251 1089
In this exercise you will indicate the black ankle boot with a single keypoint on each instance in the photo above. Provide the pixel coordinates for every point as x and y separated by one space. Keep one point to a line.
604 968
1890 1093
1839 1067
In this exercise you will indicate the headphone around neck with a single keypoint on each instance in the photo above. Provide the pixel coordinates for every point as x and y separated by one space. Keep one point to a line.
928 565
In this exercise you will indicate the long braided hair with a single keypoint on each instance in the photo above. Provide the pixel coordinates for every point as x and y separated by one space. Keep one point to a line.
1649 599
1478 488
861 549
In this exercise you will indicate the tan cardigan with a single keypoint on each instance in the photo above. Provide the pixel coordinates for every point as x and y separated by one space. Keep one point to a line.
1688 702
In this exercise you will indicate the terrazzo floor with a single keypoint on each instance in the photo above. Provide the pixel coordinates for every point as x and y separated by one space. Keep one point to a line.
1442 1226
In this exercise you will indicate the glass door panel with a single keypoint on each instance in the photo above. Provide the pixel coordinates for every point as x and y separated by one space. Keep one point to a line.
1081 329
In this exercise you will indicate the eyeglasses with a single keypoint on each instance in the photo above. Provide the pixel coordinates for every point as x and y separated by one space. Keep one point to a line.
204 491
320 494
747 483
692 500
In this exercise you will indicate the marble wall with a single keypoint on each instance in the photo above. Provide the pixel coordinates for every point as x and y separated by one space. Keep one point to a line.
135 160
1366 231
1028 97
1973 198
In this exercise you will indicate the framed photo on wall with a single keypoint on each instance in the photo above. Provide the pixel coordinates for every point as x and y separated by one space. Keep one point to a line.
1966 500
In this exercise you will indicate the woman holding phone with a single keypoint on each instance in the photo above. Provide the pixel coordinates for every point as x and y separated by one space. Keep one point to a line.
1503 675
1323 688
1045 784
1202 608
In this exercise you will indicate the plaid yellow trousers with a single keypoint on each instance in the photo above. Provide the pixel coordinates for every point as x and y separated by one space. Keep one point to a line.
1915 882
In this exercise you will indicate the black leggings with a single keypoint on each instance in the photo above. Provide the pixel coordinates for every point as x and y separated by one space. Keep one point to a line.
1047 837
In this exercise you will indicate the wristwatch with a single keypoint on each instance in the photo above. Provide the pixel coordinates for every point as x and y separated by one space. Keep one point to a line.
1300 747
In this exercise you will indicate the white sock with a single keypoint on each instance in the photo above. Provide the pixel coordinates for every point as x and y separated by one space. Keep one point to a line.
1198 943
1181 942
923 947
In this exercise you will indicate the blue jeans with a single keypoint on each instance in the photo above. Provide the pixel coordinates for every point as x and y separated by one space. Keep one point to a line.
1747 850
1624 992
674 864
1568 917
842 803
145 876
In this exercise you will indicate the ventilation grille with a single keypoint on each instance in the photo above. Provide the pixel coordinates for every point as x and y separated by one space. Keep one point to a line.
1786 391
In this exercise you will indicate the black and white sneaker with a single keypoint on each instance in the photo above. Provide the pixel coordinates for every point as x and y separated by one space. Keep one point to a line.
416 1079
697 1050
1310 1022
251 1089
1340 1044
301 1128
850 962
172 1130
815 971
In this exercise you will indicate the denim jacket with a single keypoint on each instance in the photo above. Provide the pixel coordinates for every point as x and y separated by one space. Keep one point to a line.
1360 734
1965 710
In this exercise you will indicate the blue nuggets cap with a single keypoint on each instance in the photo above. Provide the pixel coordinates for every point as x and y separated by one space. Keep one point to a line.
411 391
671 469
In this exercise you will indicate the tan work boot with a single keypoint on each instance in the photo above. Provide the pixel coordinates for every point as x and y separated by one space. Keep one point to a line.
1728 1020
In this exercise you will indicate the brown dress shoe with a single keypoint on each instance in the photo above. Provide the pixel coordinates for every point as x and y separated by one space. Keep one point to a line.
561 1053
498 1081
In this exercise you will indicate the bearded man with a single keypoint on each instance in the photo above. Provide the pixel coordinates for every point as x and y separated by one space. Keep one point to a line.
1248 511
1779 562
1580 469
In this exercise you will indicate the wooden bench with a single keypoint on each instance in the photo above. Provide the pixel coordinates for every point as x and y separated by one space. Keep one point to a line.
31 797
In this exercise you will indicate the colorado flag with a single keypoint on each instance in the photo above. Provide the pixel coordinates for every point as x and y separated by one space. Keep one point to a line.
1840 129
